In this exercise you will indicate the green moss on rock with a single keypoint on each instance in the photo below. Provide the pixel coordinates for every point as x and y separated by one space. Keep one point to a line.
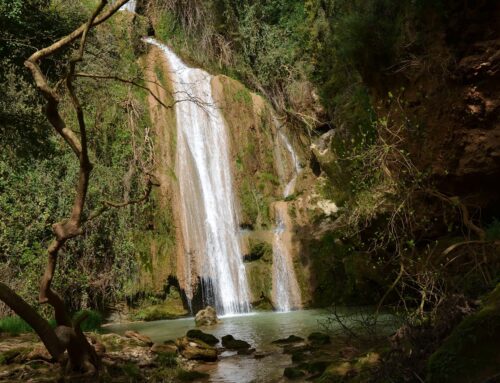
471 354
259 279
171 308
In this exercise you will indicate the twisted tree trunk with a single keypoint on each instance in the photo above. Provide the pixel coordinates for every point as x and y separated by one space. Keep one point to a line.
67 335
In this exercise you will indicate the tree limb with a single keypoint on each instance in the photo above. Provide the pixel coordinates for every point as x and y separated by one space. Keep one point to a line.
66 336
107 205
126 81
29 314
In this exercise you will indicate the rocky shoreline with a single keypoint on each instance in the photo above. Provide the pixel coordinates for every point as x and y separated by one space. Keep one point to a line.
133 357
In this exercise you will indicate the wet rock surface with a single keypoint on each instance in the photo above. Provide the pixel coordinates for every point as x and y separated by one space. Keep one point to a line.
319 338
290 339
206 317
207 338
195 349
229 342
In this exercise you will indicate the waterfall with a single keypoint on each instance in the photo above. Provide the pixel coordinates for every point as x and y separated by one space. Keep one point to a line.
286 291
290 186
207 202
130 6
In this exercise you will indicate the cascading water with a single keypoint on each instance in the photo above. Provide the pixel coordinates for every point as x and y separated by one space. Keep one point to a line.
286 291
207 207
290 186
130 6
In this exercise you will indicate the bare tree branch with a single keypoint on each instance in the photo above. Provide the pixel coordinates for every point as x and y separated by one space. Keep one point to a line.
126 81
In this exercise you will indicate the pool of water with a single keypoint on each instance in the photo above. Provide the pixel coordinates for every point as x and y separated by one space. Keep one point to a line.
258 329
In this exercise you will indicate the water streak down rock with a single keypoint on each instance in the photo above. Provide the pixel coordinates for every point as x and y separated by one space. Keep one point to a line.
286 291
208 214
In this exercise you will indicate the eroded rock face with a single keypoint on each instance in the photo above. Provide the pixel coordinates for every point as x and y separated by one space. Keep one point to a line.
206 317
195 349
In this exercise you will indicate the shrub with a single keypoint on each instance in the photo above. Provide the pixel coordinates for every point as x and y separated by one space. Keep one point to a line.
14 325
93 322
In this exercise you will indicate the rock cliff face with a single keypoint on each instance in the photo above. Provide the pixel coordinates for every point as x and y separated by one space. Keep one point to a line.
448 95
456 100
258 181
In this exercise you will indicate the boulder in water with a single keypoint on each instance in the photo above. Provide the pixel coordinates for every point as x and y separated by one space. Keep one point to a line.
290 339
195 349
230 343
206 317
291 348
319 338
203 336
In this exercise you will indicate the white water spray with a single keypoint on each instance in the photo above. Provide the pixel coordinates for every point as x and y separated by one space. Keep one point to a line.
129 6
208 214
286 291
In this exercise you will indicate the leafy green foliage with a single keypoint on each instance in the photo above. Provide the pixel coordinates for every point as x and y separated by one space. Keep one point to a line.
92 322
38 172
14 325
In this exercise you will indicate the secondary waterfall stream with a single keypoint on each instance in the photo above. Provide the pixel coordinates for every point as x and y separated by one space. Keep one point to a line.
286 291
207 207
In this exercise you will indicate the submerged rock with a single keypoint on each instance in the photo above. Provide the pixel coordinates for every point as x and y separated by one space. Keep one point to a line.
203 336
290 339
195 349
319 338
230 343
206 317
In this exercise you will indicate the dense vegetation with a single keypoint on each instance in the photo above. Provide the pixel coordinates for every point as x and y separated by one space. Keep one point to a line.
37 173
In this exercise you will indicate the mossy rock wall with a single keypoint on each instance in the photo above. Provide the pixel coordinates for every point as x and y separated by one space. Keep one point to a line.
471 354
252 137
158 259
259 267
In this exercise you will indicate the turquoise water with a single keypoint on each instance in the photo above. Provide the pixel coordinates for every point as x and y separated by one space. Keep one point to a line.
258 329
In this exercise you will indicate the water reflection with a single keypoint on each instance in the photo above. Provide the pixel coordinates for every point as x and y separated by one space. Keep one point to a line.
258 329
